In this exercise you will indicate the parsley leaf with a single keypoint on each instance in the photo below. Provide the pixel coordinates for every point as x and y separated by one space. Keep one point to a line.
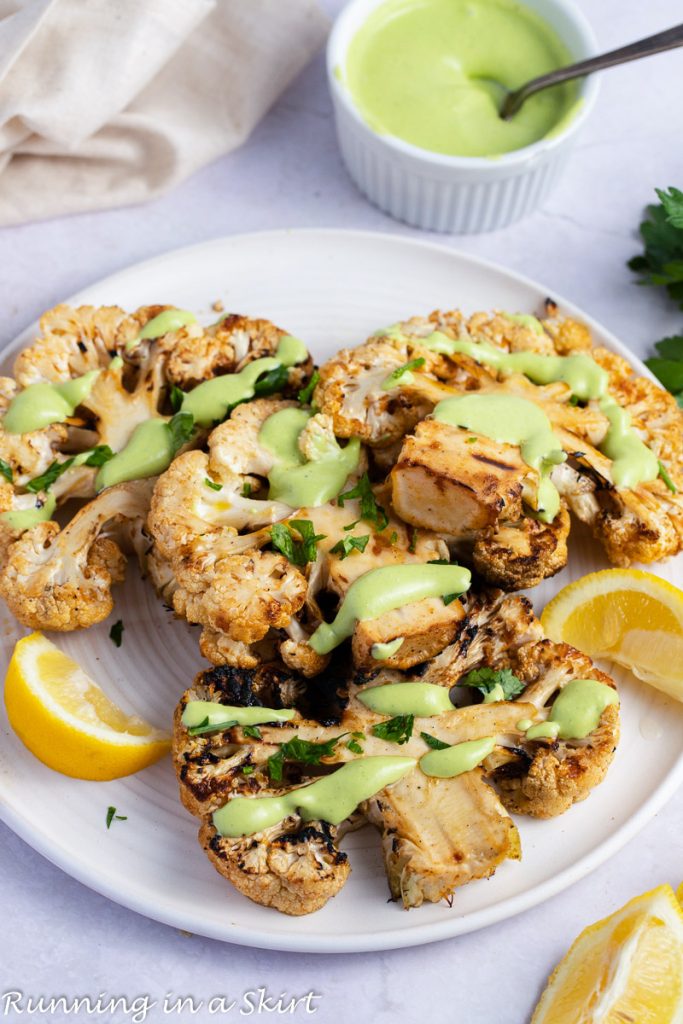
246 490
306 392
672 201
668 371
252 730
301 751
214 486
353 745
298 552
413 540
485 679
671 347
116 633
666 478
396 730
46 479
370 511
661 263
176 398
274 380
113 816
346 545
99 455
247 769
433 742
412 364
180 428
6 471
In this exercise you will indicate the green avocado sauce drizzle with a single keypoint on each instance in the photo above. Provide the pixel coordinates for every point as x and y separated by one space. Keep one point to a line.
632 461
425 700
331 798
294 479
382 652
383 590
26 519
41 404
151 447
458 759
164 323
575 713
207 712
516 421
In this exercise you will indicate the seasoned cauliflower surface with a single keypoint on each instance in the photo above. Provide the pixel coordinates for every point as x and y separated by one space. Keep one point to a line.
437 833
297 515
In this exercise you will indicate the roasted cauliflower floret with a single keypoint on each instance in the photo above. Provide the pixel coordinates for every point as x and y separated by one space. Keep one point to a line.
514 332
226 347
61 578
27 455
518 555
549 776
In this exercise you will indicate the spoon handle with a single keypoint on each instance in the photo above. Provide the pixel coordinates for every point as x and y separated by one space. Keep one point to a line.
667 40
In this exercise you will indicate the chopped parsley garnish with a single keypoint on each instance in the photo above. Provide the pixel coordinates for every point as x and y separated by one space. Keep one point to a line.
486 679
253 731
396 730
113 816
176 398
449 598
246 490
370 511
412 364
438 561
247 769
346 545
301 751
393 538
306 392
206 726
212 485
6 471
298 552
661 263
413 541
353 745
433 742
116 633
666 478
471 440
180 428
97 457
274 380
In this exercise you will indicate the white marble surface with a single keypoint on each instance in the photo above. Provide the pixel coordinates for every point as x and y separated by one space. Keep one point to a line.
56 936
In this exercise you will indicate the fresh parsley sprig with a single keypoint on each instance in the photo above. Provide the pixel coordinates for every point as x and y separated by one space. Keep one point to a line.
113 816
97 457
298 552
301 752
661 263
486 679
370 510
6 471
116 633
306 392
346 545
395 730
433 742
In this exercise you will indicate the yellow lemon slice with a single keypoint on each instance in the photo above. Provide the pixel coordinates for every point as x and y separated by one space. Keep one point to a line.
631 617
628 967
65 719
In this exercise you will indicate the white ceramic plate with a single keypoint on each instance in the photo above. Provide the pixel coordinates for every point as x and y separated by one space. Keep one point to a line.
330 288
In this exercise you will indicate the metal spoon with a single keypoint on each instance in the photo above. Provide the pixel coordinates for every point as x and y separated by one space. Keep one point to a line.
667 40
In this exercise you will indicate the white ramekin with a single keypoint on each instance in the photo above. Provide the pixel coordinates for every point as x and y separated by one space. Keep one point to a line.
447 193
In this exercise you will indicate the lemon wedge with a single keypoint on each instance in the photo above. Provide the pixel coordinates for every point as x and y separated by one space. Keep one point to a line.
65 719
628 616
628 967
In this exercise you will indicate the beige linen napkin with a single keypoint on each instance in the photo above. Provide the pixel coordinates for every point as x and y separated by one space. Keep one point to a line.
108 102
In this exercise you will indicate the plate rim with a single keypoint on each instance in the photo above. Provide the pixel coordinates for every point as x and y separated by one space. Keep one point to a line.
136 900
